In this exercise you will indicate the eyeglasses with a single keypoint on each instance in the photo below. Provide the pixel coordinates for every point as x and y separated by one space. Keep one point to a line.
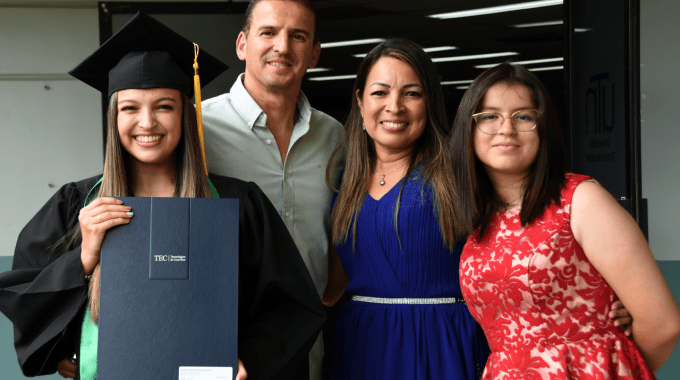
491 122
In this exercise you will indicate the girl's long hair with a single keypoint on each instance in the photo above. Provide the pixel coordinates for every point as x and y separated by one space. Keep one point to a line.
477 198
190 181
430 148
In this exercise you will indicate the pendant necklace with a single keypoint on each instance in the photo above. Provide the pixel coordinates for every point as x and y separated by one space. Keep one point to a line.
382 180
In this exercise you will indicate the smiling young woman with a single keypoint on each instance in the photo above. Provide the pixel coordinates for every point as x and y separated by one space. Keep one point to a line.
153 150
150 124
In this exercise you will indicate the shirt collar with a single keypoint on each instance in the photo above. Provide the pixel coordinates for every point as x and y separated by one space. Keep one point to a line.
244 104
246 107
303 107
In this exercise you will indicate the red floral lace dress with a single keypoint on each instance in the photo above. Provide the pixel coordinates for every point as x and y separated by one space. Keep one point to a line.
542 305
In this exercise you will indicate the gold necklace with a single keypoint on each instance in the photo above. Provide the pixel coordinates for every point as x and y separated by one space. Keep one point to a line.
382 180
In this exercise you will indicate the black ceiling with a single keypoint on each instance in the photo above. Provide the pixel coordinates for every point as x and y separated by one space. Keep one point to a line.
342 20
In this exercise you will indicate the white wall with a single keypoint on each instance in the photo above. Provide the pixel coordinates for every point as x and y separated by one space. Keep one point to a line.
50 125
660 86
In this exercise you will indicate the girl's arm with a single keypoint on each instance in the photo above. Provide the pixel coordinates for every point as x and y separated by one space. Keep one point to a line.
616 247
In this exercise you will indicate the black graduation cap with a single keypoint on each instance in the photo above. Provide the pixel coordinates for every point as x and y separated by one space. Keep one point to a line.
146 54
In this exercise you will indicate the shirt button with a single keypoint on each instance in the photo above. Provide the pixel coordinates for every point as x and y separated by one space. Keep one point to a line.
268 141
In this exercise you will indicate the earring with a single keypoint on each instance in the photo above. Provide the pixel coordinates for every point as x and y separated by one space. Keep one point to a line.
363 126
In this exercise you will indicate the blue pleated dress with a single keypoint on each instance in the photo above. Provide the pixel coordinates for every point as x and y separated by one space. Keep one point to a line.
401 341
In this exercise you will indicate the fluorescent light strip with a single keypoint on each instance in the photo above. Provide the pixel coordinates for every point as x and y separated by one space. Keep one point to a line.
336 77
462 87
522 62
579 30
427 50
457 82
545 23
351 43
440 48
318 70
469 57
547 68
499 9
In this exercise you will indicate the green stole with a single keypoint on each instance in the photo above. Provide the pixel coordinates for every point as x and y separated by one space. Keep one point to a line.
89 332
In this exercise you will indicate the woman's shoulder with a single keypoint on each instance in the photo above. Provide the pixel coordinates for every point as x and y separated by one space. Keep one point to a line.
575 178
572 180
85 185
76 192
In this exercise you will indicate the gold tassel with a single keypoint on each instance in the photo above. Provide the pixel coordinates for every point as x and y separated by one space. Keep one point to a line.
199 114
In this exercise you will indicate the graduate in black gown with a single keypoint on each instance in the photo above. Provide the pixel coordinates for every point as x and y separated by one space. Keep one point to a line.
153 149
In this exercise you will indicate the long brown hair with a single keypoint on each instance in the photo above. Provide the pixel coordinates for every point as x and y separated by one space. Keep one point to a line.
478 200
430 148
190 181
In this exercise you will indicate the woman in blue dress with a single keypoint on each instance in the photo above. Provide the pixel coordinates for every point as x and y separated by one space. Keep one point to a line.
394 229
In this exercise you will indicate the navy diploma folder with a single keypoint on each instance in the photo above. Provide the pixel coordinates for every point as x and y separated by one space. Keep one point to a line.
169 291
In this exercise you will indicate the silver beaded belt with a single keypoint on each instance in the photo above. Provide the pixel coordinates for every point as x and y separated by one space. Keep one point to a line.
408 301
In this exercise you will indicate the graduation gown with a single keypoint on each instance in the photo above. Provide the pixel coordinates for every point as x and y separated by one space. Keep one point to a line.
45 293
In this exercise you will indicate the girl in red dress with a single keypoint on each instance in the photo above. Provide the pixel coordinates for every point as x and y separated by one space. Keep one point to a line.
549 250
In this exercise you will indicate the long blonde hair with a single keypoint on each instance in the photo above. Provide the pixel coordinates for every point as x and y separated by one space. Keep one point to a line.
190 181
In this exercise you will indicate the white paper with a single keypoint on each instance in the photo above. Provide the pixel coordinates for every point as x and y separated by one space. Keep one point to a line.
206 373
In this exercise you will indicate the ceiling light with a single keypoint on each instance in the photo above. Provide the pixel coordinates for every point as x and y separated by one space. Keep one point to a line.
440 48
579 30
462 87
353 42
545 23
336 77
547 68
499 9
317 70
457 82
522 62
427 50
469 57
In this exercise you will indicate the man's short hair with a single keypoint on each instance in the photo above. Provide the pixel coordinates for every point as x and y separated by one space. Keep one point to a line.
305 3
